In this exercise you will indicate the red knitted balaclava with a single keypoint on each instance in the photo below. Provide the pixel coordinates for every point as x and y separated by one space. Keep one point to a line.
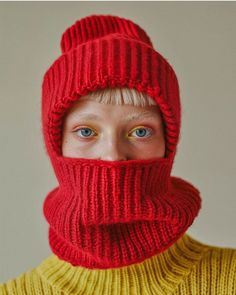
108 214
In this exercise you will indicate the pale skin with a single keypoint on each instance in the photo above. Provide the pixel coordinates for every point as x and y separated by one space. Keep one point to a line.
110 136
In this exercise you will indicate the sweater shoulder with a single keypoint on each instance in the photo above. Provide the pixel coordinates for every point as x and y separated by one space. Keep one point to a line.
28 282
222 257
220 264
18 285
215 272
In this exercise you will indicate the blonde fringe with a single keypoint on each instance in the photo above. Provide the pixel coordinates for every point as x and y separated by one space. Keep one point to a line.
120 96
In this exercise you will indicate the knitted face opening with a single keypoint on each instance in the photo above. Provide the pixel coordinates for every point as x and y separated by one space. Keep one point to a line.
58 115
117 97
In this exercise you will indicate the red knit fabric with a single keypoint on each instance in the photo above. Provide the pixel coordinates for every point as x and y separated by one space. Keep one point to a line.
109 214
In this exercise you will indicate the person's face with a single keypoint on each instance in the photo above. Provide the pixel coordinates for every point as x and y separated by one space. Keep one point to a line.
94 130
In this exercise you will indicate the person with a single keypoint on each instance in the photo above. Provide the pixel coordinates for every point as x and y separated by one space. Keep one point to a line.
118 219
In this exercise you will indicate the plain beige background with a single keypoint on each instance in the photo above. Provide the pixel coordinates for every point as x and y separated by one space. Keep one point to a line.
197 38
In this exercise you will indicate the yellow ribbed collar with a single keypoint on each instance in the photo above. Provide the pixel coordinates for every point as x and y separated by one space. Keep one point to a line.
156 275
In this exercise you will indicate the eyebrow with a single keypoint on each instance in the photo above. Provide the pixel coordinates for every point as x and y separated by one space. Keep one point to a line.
128 118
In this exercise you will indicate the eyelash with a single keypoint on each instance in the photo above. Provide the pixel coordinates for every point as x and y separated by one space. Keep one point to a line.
141 127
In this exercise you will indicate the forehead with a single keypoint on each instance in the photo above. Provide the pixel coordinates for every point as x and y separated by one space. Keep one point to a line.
93 110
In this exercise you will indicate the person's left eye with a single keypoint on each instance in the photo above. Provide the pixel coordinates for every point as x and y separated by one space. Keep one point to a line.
144 131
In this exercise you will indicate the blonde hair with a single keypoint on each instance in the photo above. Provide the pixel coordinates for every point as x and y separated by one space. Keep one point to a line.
120 96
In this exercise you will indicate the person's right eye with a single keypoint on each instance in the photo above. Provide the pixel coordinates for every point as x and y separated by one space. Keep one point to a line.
84 132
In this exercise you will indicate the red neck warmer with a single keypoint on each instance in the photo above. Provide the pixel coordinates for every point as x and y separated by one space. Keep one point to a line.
112 214
107 214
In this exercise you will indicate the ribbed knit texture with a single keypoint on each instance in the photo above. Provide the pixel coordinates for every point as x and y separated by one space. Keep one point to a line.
110 214
107 214
186 268
104 51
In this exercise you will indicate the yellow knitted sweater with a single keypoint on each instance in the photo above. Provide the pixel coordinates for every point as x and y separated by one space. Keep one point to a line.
188 267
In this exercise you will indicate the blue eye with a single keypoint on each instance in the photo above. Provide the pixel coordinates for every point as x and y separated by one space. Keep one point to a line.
143 132
86 132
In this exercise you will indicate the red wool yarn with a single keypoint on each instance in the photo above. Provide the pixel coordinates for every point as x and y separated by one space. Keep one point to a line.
108 214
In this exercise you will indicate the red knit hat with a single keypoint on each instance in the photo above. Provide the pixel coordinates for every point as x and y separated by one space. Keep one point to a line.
113 213
101 51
